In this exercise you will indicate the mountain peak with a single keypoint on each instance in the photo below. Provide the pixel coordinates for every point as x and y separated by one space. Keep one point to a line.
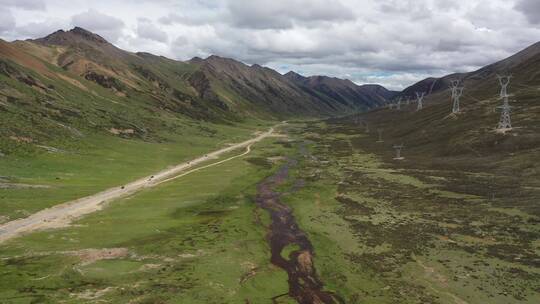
223 63
216 58
196 60
294 77
77 34
87 34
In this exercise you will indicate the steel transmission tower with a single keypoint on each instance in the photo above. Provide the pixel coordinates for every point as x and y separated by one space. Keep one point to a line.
505 122
420 100
504 81
457 91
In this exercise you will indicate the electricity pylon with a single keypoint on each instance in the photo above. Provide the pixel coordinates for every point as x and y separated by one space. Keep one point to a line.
504 81
505 122
398 152
457 91
399 104
420 100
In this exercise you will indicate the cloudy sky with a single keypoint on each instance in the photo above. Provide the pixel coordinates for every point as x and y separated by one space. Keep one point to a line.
391 42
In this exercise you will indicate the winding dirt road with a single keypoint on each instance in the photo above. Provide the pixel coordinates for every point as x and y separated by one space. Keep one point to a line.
63 214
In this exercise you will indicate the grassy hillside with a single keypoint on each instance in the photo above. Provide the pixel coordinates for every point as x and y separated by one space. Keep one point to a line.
76 80
470 135
58 90
483 83
63 136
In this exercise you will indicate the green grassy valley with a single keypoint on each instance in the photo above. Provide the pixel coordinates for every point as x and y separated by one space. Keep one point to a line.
133 178
382 231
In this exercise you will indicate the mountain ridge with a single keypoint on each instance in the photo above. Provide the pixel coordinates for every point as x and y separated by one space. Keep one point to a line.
79 80
77 71
344 90
521 61
261 83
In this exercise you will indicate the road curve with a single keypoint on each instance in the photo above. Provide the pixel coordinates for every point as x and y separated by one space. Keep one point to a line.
62 214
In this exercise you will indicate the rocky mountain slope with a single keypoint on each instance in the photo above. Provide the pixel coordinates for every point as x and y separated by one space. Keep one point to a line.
256 89
343 90
76 80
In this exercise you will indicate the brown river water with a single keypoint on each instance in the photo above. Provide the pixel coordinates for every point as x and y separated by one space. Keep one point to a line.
304 284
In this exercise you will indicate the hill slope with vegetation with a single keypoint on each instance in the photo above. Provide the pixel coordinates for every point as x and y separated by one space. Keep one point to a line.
73 82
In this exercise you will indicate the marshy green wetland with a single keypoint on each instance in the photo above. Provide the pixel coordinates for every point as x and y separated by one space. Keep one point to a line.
359 227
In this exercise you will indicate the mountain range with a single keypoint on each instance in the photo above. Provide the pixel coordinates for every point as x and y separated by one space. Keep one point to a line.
211 88
73 80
